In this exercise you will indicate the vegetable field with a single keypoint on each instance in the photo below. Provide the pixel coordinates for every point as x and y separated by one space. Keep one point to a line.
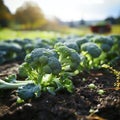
58 77
83 30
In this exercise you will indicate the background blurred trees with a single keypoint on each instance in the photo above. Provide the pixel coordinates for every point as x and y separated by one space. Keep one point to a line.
27 17
5 15
30 16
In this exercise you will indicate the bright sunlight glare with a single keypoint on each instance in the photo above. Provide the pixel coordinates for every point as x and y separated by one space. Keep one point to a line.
68 10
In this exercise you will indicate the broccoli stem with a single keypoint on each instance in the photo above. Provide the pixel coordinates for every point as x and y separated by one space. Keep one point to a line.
6 85
40 76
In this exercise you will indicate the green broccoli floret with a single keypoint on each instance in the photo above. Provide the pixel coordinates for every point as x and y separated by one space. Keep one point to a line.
92 49
91 53
23 69
68 57
116 46
105 47
81 41
72 44
10 47
43 61
12 50
54 65
40 43
101 40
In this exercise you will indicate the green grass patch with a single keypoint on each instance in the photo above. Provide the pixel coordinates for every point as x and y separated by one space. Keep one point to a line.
115 29
6 34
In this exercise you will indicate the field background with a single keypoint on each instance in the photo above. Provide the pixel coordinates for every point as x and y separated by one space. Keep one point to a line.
6 34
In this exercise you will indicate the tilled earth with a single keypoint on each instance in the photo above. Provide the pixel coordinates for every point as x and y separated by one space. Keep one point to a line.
83 104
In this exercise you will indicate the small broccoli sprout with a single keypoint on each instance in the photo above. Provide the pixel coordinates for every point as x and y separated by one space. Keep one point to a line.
92 86
100 92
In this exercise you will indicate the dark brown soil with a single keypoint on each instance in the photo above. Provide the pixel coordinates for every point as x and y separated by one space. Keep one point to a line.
65 106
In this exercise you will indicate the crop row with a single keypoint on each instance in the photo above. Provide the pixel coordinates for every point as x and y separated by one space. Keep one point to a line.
49 65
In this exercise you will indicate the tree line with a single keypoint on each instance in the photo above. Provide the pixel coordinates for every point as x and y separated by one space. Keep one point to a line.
28 16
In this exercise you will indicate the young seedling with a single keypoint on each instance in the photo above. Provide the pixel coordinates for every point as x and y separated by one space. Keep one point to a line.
92 86
100 92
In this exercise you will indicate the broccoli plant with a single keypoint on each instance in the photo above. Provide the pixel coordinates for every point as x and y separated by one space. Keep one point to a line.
70 60
91 52
80 41
25 46
68 57
9 51
42 69
114 53
72 45
106 44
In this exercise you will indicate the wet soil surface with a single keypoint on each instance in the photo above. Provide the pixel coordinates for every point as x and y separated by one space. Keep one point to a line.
83 104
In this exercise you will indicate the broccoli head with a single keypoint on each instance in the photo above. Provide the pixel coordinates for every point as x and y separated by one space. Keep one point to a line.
92 49
68 57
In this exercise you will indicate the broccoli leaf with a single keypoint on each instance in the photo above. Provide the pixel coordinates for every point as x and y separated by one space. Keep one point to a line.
29 91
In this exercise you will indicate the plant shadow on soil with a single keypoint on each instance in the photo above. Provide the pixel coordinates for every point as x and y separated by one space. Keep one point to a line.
65 106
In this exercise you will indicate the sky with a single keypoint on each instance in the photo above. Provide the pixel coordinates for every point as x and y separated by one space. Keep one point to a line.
70 10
